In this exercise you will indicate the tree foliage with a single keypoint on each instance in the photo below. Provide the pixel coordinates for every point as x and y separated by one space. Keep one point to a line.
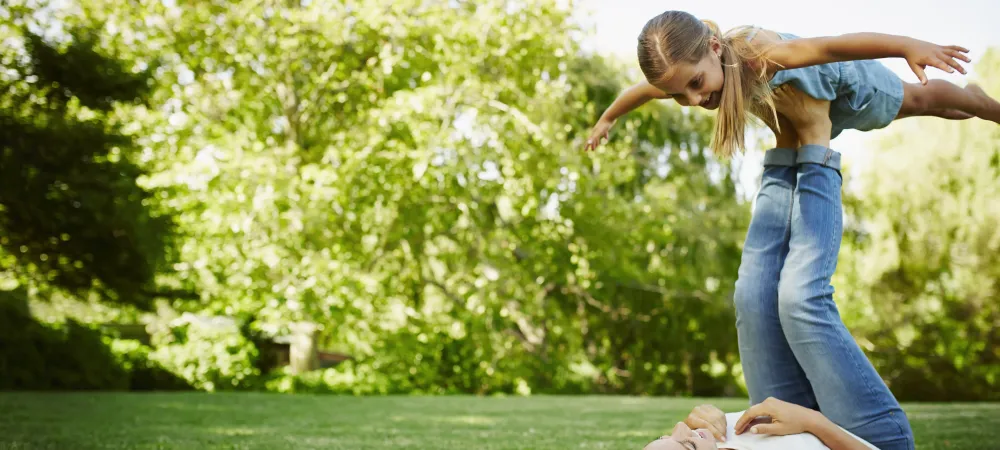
921 267
408 175
72 214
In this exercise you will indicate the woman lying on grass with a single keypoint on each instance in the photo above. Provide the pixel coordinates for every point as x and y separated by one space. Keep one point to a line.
770 425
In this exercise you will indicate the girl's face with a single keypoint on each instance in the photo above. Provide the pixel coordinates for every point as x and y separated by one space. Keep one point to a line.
697 84
684 438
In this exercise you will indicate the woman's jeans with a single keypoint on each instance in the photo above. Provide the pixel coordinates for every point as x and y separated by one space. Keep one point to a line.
793 344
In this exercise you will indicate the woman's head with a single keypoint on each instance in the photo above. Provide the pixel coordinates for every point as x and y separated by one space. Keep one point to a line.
696 65
684 438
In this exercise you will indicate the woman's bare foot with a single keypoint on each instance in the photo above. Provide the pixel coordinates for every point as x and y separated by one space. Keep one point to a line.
809 116
784 132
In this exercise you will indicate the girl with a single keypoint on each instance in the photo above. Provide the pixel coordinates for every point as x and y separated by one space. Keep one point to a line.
689 61
793 345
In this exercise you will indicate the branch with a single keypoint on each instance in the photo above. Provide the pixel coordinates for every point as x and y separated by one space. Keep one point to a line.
183 294
290 108
520 117
451 296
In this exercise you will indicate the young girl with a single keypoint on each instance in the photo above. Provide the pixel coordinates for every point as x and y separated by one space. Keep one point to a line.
690 61
793 345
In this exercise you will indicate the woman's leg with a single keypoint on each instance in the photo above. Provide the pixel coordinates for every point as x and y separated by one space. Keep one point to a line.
847 387
769 366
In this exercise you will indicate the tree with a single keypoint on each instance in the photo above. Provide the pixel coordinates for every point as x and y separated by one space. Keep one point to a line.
408 175
72 214
920 265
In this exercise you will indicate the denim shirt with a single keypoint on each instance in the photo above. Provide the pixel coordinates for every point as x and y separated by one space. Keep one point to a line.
864 95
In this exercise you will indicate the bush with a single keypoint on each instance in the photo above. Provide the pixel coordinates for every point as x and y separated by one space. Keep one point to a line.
314 382
207 356
145 374
36 356
72 356
347 378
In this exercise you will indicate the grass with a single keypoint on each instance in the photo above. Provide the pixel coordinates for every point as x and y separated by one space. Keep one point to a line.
264 421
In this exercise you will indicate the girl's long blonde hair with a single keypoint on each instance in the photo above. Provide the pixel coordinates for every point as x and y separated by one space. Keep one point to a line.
678 37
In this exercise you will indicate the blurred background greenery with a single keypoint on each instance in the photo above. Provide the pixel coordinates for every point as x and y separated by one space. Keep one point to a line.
390 197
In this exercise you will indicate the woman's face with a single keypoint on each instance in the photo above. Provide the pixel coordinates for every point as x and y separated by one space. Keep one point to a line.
684 438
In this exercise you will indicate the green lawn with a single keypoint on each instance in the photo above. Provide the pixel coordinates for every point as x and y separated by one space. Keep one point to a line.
192 421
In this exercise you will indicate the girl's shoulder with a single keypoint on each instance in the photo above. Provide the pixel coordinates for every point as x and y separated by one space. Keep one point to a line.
756 41
762 37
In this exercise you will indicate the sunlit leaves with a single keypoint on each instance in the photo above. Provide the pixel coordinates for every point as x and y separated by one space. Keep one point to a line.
921 264
408 175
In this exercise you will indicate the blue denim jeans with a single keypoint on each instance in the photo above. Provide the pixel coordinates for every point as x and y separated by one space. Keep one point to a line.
793 344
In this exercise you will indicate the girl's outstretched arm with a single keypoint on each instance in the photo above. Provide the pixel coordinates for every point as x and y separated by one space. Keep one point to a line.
805 52
632 98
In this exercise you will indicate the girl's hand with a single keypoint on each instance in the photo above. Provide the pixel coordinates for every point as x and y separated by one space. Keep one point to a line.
599 132
708 417
920 54
786 418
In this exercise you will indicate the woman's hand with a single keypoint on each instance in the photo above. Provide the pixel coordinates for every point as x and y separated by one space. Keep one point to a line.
786 418
710 418
920 54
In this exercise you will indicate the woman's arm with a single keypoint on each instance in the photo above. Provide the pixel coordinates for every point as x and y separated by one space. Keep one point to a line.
788 418
795 53
833 436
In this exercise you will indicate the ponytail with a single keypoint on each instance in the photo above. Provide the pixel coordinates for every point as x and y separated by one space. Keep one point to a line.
745 90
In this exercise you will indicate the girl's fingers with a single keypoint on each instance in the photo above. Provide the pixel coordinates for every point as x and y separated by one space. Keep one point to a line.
951 62
959 55
919 72
938 63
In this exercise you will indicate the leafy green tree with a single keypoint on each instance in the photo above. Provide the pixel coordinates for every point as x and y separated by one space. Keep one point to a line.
920 266
72 214
408 174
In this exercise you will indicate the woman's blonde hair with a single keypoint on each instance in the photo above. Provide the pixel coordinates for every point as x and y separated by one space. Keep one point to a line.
679 37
